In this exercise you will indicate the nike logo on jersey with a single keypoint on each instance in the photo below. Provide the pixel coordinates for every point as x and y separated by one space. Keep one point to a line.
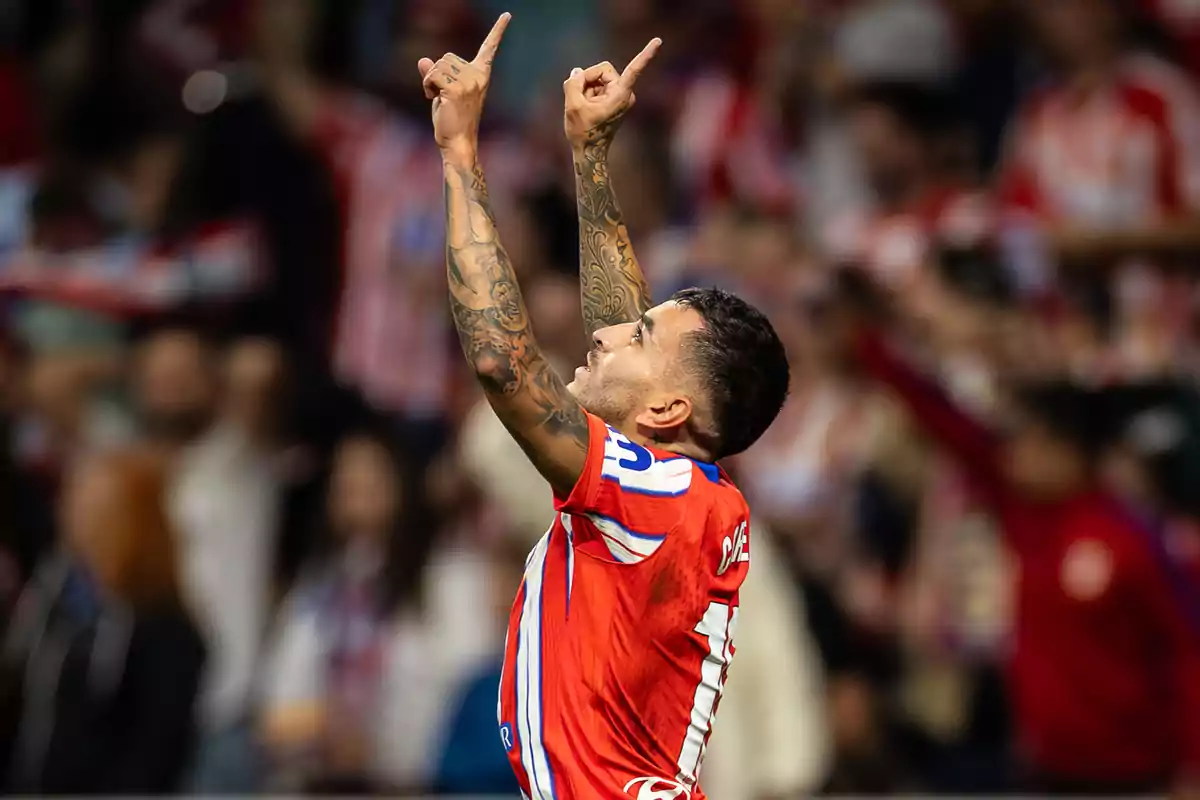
657 789
735 549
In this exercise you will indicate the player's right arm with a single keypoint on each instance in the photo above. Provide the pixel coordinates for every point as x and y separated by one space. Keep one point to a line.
611 282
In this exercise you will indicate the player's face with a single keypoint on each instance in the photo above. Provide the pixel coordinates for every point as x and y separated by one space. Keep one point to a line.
634 364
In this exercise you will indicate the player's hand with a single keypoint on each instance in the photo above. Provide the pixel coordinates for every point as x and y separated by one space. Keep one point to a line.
458 88
597 98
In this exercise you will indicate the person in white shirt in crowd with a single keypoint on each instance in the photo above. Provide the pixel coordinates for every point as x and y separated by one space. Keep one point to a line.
224 499
373 640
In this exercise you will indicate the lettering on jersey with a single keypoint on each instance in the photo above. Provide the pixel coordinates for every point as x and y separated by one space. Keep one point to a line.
735 549
657 789
635 469
506 737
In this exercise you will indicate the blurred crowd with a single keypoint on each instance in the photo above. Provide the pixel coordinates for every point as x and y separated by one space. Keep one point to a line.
258 531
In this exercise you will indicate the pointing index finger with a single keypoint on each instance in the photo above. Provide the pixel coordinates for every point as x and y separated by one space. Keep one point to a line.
640 61
487 51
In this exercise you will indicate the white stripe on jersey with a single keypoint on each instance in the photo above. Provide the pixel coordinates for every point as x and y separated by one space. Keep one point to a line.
566 523
718 626
529 677
625 545
636 470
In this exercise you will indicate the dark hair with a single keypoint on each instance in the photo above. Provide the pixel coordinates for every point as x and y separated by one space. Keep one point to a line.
1071 413
741 361
411 538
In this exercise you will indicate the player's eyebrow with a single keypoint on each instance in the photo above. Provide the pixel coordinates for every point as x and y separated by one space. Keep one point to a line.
647 323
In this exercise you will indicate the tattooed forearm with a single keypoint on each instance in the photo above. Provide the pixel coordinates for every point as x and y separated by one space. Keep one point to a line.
612 285
496 337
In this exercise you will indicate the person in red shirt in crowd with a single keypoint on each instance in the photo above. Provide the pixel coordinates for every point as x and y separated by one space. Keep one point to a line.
1105 664
1107 156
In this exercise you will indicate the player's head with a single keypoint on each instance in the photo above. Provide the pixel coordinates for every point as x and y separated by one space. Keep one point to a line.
703 371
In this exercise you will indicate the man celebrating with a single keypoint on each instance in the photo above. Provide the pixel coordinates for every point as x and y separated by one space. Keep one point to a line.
622 630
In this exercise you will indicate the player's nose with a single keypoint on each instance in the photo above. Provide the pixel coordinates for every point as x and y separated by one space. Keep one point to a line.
601 338
606 338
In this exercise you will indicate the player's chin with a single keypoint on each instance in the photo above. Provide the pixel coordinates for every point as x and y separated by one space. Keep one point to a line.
575 386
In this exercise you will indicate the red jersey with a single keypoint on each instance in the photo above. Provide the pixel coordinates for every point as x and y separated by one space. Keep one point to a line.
622 631
1119 156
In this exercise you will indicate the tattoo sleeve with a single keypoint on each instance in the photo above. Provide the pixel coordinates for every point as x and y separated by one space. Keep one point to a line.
611 283
497 339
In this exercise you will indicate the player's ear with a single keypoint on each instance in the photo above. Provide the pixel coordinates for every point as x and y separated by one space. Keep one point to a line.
664 417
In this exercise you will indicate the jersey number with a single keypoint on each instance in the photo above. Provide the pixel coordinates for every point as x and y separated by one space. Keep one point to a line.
717 626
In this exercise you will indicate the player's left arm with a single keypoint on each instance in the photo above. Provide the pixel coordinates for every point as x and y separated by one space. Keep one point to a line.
489 312
612 285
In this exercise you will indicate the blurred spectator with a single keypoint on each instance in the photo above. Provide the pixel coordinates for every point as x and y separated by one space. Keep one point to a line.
1107 155
391 341
857 42
1096 614
109 661
369 645
800 475
726 138
27 533
903 133
473 759
224 500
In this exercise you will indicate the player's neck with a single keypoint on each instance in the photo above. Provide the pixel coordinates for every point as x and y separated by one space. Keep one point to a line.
681 445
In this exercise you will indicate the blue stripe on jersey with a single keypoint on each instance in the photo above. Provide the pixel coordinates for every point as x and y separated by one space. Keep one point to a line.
500 689
710 471
541 673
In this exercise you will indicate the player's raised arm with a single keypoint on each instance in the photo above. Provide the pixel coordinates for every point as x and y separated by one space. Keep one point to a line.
611 282
485 299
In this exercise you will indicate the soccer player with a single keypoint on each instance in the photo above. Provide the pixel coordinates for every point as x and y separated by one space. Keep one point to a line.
622 630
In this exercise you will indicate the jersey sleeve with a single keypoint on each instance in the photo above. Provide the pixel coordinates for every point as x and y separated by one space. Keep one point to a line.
629 497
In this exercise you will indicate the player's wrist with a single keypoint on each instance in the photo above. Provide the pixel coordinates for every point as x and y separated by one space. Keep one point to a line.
590 149
461 153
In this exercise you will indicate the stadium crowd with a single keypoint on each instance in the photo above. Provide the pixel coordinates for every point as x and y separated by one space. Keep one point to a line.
259 533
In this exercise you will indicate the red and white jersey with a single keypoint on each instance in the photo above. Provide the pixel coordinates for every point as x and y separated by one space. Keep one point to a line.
1124 155
622 630
393 340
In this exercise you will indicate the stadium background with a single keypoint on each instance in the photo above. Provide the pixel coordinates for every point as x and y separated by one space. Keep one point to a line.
227 367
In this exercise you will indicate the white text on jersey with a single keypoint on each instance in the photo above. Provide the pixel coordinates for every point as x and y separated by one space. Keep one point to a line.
735 549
